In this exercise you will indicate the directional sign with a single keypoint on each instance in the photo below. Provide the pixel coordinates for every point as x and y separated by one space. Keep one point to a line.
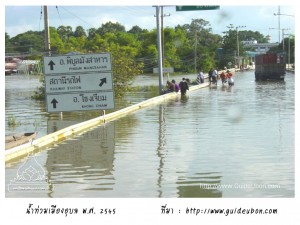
77 63
80 101
78 82
165 70
197 7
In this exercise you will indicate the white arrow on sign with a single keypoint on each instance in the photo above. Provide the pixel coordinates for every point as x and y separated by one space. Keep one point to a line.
80 101
78 82
77 63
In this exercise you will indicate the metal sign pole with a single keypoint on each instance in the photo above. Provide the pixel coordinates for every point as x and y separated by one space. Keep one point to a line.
103 114
160 66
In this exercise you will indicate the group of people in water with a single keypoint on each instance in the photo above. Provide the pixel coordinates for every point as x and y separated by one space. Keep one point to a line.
213 77
226 77
175 87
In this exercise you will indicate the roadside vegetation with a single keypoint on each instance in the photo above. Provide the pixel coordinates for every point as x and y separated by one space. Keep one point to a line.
187 48
12 122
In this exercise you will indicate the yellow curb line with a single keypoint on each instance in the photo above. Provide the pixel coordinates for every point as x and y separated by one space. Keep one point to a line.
63 134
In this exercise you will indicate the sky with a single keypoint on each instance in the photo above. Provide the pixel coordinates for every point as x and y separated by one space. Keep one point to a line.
255 17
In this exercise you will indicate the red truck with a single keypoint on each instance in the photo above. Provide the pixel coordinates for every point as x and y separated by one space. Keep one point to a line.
270 66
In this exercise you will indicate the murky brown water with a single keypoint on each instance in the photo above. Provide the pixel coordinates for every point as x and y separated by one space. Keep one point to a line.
215 142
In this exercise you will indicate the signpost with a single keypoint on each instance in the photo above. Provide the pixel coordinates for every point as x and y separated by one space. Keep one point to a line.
165 70
64 102
197 7
77 63
78 82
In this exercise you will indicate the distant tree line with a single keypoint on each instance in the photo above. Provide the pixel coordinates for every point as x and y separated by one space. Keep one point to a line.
183 45
186 48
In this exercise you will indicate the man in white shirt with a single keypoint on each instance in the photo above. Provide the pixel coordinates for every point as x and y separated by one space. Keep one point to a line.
215 76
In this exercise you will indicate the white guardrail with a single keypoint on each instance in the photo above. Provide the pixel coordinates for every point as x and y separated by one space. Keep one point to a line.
63 134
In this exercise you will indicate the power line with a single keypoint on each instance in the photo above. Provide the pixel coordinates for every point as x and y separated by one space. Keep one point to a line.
41 15
76 16
59 15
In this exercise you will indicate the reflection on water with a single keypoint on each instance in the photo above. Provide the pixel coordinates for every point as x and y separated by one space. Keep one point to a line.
198 186
184 98
81 161
213 142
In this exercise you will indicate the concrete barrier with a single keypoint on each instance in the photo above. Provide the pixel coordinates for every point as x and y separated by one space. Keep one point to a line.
63 134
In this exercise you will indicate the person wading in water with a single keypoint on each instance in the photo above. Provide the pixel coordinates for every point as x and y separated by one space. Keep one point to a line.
183 86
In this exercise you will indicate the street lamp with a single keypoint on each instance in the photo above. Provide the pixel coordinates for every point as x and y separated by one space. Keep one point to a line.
283 29
237 43
280 14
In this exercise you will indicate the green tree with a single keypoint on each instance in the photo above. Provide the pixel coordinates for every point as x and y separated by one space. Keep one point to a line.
57 44
124 69
208 44
289 48
111 28
129 41
171 57
110 37
97 44
202 45
65 32
79 32
28 42
184 49
126 39
230 46
76 44
135 51
248 35
149 53
138 32
91 33
9 47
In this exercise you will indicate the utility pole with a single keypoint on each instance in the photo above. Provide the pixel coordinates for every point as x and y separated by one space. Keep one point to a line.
47 32
238 44
278 24
158 32
289 55
282 30
162 35
279 29
195 52
280 14
237 52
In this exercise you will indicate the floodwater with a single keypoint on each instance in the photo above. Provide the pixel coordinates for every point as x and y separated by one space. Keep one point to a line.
214 142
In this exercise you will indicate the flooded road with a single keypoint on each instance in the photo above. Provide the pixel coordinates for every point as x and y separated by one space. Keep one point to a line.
215 142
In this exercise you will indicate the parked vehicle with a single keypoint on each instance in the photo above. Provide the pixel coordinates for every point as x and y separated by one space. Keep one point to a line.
270 66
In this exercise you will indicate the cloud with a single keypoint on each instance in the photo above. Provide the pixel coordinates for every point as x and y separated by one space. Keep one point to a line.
255 17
